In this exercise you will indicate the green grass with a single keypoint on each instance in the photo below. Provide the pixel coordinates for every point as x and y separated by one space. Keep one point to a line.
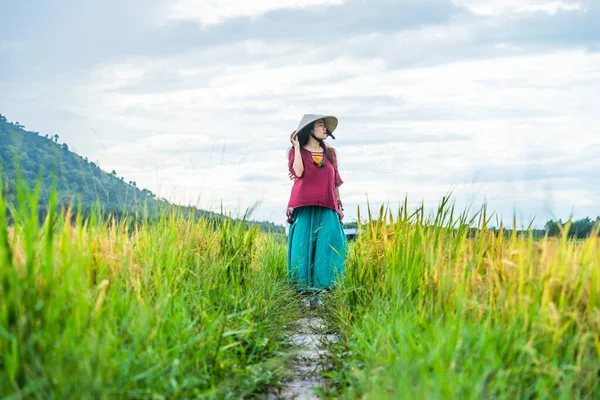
173 308
176 307
431 310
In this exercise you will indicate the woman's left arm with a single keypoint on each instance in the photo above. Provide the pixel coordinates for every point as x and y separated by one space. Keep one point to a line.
340 205
338 182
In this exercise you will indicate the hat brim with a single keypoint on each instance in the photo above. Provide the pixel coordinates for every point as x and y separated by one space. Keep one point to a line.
330 121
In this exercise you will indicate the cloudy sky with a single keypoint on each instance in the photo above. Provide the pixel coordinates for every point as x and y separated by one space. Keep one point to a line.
494 100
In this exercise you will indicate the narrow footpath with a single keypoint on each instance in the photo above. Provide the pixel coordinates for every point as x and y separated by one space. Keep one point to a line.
310 340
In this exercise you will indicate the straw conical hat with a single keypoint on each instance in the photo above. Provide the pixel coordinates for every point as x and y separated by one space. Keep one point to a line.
331 122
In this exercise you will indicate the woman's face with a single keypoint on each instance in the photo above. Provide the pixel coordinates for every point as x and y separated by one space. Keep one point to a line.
319 130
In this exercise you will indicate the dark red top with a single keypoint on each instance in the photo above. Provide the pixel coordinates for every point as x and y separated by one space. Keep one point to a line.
316 186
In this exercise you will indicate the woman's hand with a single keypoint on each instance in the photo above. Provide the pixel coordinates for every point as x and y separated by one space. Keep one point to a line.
294 140
340 214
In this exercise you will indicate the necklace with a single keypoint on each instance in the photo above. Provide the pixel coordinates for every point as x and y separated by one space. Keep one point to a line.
318 159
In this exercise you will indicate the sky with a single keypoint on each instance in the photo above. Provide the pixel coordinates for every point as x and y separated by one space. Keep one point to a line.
493 101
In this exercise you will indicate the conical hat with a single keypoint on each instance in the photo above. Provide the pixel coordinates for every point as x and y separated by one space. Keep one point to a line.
331 122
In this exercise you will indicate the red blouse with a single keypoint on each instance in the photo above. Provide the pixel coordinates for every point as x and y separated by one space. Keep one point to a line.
316 186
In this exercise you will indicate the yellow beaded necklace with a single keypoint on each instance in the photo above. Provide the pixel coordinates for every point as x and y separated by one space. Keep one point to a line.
317 158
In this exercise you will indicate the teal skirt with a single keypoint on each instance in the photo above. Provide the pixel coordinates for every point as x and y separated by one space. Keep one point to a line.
317 248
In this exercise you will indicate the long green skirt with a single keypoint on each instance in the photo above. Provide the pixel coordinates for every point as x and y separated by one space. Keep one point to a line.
317 249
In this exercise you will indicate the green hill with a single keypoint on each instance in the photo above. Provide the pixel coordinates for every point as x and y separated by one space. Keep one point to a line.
33 157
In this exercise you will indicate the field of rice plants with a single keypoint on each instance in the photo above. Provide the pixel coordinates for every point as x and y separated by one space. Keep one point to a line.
178 307
431 309
173 308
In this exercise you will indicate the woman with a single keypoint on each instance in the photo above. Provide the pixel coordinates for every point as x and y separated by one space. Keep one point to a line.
316 240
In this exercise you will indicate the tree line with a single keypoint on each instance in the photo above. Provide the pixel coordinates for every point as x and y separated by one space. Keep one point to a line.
578 229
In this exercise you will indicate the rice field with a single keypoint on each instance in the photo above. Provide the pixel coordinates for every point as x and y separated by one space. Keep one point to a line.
433 309
180 307
170 308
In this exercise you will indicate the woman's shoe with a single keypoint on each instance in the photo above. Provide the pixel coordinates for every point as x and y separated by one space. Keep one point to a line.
315 301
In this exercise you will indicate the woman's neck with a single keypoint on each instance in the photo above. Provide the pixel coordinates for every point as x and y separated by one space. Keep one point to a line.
312 144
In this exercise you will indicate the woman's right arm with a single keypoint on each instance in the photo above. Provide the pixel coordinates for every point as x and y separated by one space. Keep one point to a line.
298 165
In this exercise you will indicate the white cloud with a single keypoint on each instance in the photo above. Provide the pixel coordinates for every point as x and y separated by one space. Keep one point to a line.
211 12
505 110
422 112
492 7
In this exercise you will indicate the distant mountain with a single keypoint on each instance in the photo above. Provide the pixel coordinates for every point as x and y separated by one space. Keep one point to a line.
34 156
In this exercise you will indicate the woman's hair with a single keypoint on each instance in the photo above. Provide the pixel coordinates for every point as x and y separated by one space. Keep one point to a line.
303 137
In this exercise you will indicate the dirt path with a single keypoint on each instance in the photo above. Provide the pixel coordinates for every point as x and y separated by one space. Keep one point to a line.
310 340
